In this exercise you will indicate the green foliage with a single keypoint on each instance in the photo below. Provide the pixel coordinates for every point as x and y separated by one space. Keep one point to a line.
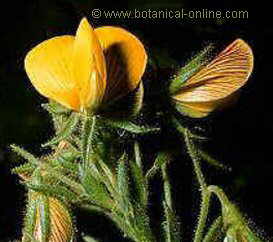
66 131
171 223
94 189
234 224
131 127
161 158
215 232
26 155
90 166
88 133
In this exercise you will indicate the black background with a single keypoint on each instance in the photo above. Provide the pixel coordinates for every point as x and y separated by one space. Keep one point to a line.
240 136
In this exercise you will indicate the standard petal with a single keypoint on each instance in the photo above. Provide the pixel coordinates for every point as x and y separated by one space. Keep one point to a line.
89 66
49 68
224 75
125 60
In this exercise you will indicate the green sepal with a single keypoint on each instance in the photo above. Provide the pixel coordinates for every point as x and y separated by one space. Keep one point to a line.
192 67
66 130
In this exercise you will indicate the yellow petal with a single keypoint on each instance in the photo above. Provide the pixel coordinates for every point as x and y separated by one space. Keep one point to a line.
203 109
89 66
70 70
224 75
125 60
49 68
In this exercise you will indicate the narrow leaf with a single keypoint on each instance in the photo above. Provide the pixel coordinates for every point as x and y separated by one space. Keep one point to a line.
96 190
211 160
162 158
140 183
131 127
88 134
26 155
215 233
58 191
123 183
29 220
171 225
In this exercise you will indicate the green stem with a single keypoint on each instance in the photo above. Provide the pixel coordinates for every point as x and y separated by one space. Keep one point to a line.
196 161
167 186
198 236
205 193
214 232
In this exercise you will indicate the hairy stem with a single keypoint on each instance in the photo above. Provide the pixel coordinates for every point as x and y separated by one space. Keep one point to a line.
205 193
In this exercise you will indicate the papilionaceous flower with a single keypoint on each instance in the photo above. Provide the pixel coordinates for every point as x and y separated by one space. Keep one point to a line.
215 84
89 70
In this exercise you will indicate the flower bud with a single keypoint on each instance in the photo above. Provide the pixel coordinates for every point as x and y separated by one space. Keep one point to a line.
47 220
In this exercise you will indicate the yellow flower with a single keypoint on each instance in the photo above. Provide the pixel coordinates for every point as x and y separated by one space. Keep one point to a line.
215 85
93 68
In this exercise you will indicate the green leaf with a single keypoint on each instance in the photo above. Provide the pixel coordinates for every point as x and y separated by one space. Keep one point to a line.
26 155
235 225
162 158
131 127
57 191
171 225
25 168
140 183
205 156
66 131
95 189
44 217
87 238
141 224
189 70
138 156
88 137
29 220
215 233
123 183
182 130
